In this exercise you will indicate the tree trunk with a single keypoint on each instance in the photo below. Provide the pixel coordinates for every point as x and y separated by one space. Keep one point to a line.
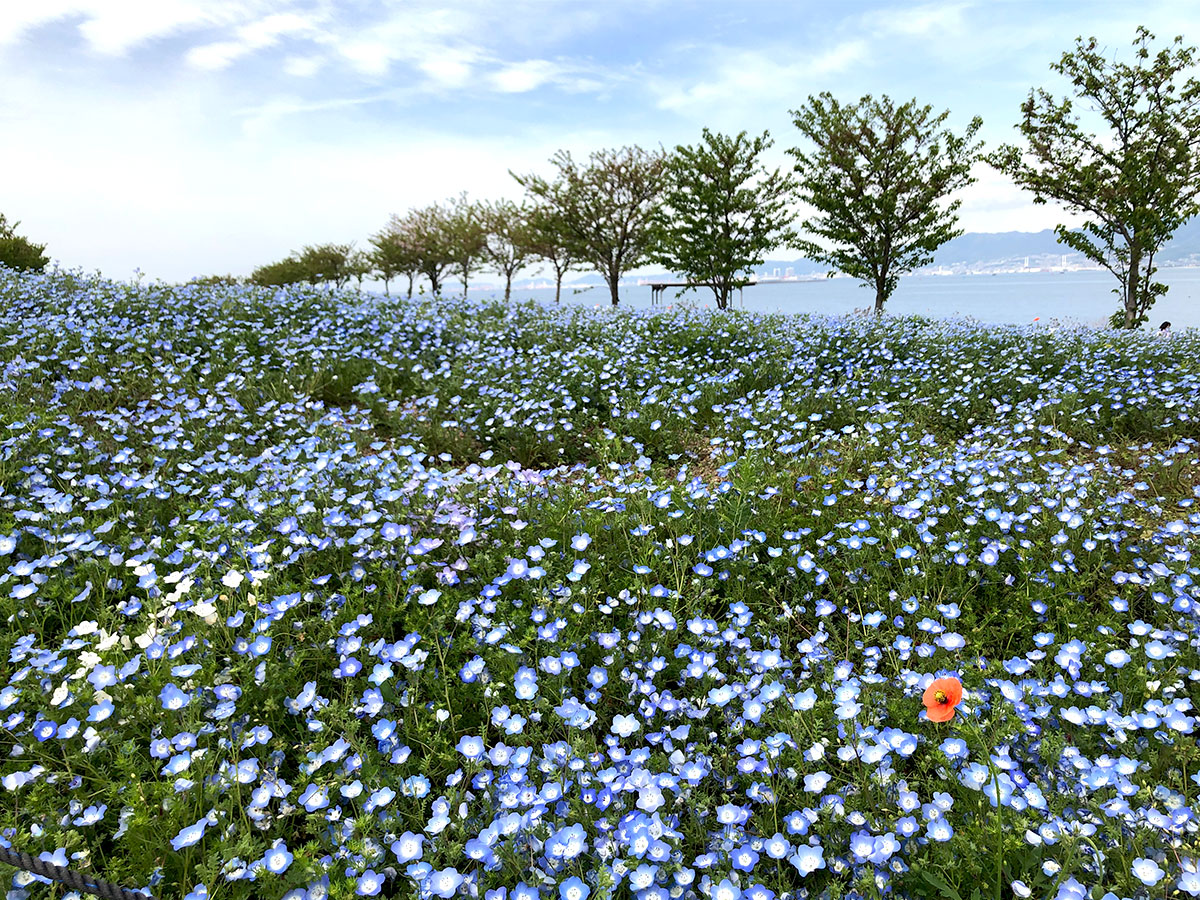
464 281
507 288
558 288
1131 288
410 285
387 291
880 298
612 287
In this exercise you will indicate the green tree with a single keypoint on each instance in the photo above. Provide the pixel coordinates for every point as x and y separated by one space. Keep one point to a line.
18 252
606 208
1138 180
548 240
327 263
507 243
429 232
286 271
722 210
879 177
392 254
359 265
467 236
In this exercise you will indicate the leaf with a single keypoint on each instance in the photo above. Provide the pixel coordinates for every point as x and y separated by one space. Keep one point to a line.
942 886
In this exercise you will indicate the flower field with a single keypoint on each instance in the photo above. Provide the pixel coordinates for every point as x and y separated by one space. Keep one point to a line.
315 594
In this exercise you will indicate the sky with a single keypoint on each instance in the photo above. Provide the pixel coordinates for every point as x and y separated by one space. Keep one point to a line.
189 137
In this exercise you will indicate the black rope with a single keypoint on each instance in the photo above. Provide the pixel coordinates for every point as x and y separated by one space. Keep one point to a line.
72 879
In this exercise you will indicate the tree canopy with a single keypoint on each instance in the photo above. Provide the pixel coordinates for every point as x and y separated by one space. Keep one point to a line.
507 243
1137 179
879 177
605 208
17 251
722 210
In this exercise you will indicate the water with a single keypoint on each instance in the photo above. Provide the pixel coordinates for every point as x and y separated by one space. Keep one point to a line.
1084 297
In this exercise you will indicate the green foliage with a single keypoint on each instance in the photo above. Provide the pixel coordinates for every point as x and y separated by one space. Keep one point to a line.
215 280
429 233
393 253
722 210
18 252
325 263
286 271
605 208
547 239
507 243
315 264
879 177
1137 180
467 236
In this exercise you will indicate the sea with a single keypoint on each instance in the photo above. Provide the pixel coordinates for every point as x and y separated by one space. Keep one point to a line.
1071 297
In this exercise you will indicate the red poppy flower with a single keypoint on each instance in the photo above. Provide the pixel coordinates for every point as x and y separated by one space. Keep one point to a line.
941 697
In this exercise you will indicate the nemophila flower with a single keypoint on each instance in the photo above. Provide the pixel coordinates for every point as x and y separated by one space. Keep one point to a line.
941 697
816 782
1147 871
726 890
744 858
624 726
808 859
191 834
278 858
573 888
955 748
471 747
408 846
369 884
172 698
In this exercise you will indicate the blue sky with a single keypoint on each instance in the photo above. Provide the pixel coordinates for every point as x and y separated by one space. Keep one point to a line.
186 137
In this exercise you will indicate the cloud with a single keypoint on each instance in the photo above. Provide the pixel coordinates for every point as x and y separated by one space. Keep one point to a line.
254 35
522 77
760 76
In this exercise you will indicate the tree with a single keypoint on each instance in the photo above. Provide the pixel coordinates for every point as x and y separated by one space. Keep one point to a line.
428 230
393 254
1137 181
548 240
287 271
606 208
467 237
879 178
722 210
18 252
359 265
327 263
507 240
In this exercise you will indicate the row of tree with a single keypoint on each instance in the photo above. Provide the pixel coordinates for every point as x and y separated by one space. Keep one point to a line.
879 177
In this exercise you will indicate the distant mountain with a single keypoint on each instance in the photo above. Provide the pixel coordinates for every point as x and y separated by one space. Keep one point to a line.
974 252
980 251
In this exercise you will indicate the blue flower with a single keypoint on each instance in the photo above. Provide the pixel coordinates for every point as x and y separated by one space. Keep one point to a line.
278 858
443 882
173 698
573 889
191 834
1147 871
808 858
369 883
